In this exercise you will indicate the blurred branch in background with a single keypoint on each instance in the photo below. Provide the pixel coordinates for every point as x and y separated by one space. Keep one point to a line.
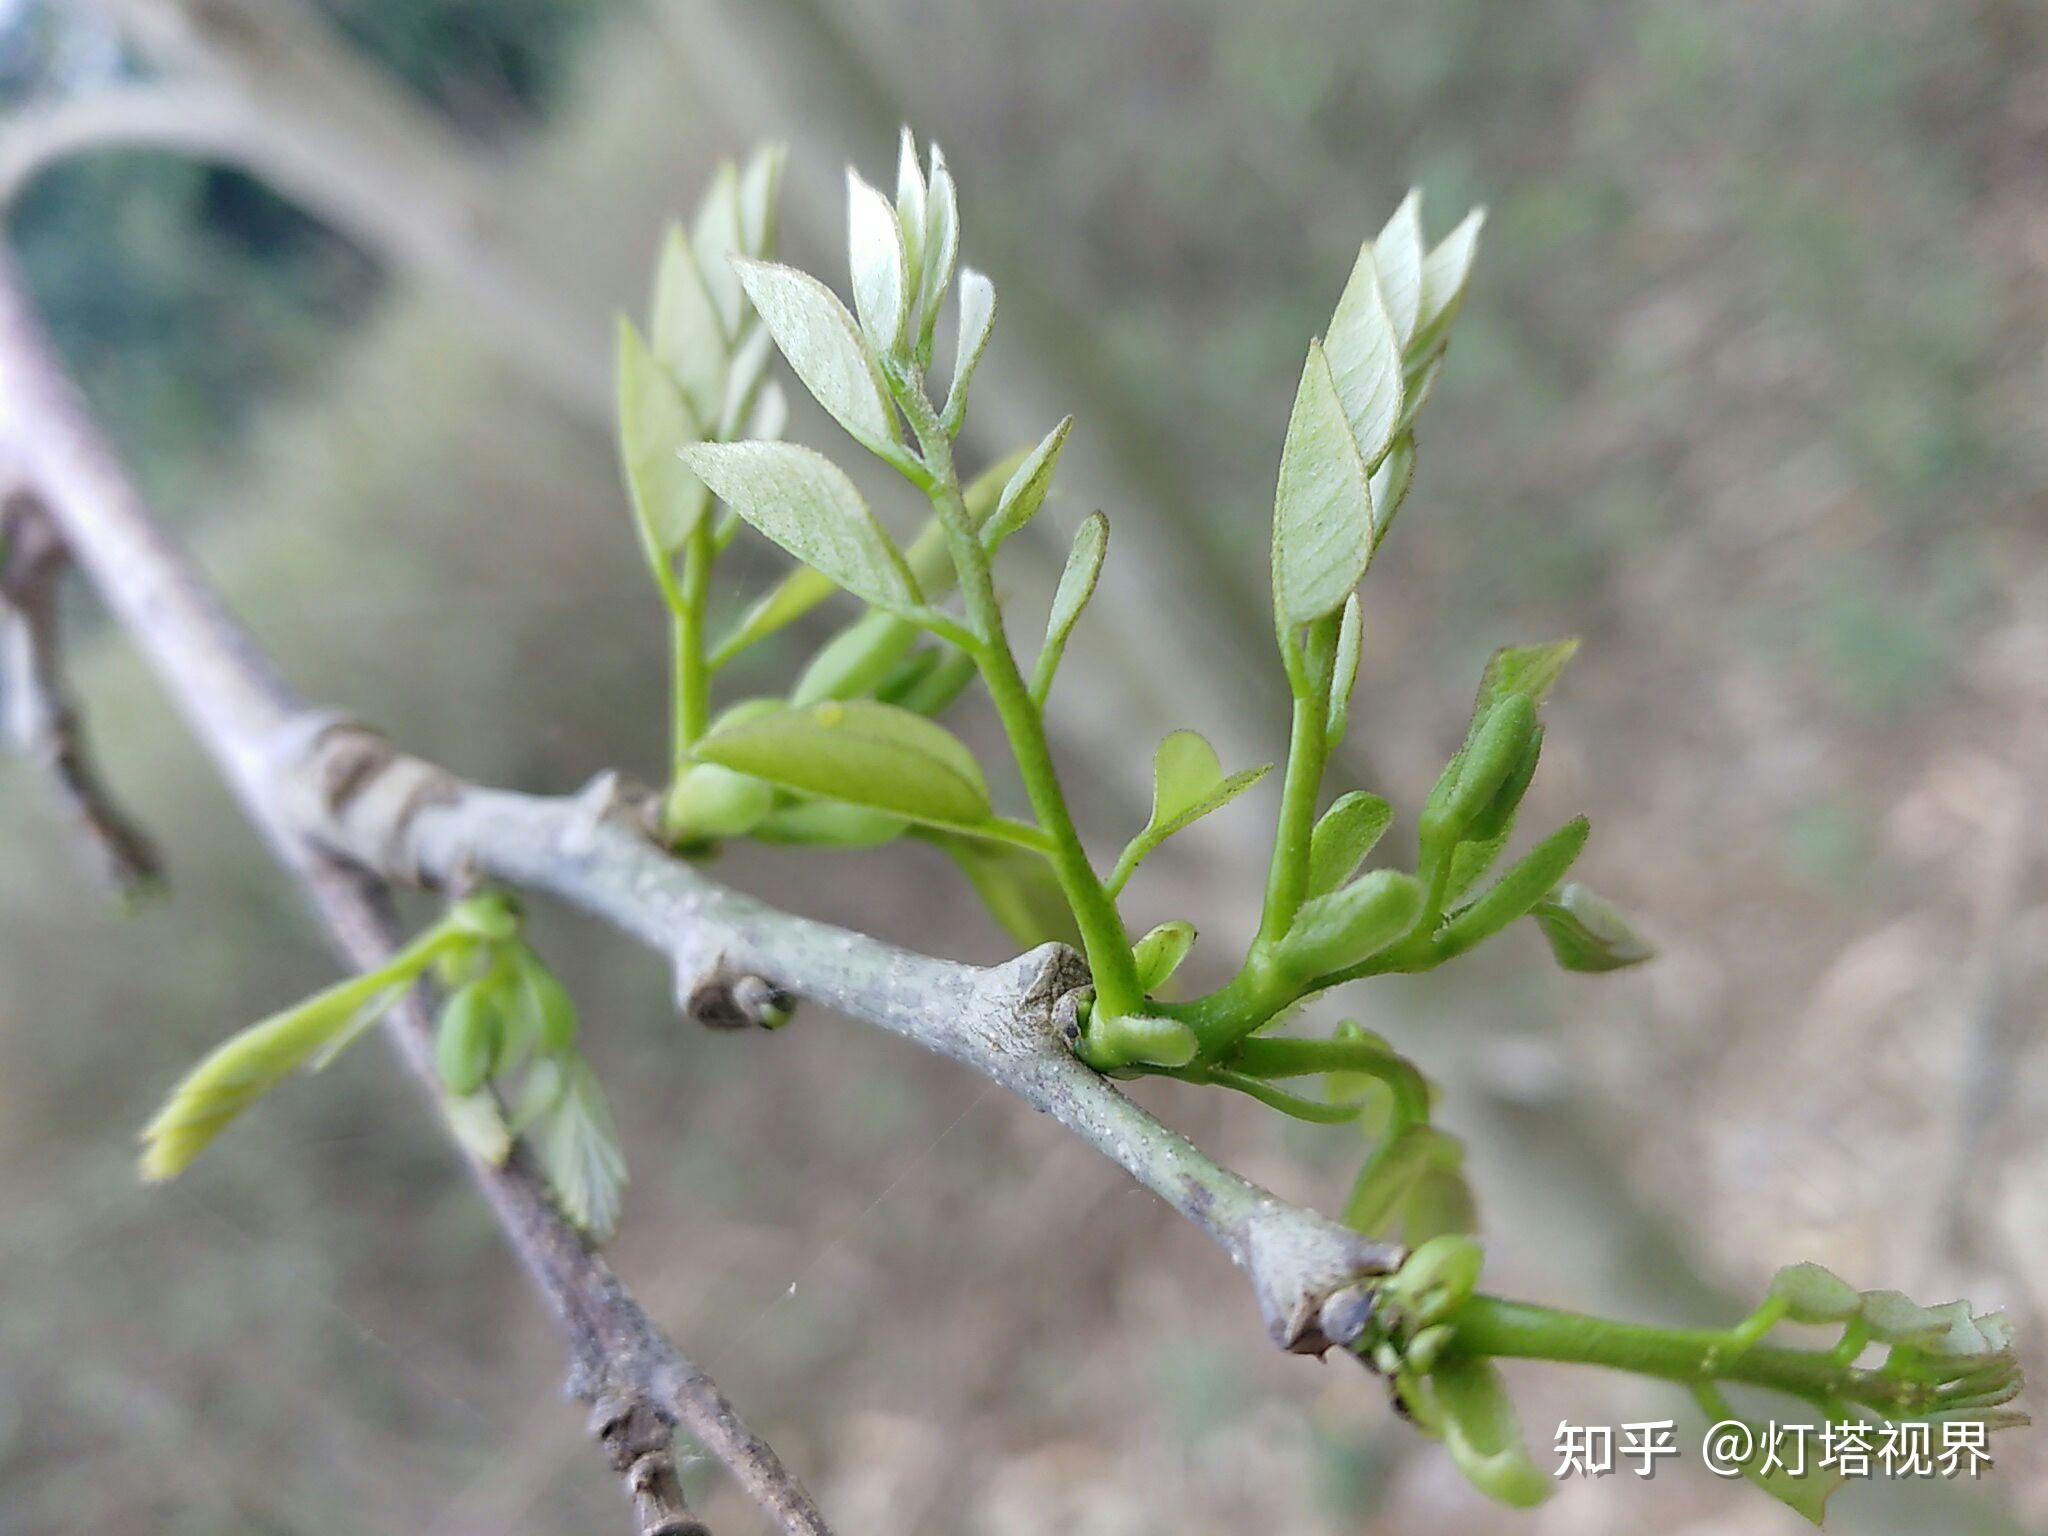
39 721
267 87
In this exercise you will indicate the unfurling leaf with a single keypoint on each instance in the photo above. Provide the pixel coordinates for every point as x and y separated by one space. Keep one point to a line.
941 246
1444 274
1397 256
707 803
1018 888
477 1123
910 199
1322 511
1077 585
803 501
881 274
250 1063
655 423
1343 837
1187 784
856 660
1159 954
1588 932
466 1038
1389 486
1529 670
717 237
977 320
1482 1435
822 344
1343 671
759 190
861 752
1400 1166
1515 892
1350 925
1491 755
1814 1294
1364 351
579 1151
1026 491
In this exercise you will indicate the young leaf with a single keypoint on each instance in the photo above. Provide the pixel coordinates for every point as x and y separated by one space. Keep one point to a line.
1322 512
689 340
1397 1168
1026 491
1444 274
760 186
1364 352
910 200
1515 892
466 1037
1018 888
708 802
655 421
1397 255
1350 925
977 319
1814 1294
1343 837
241 1070
746 385
823 346
861 752
1159 954
478 1126
856 660
803 501
1344 671
1187 784
1077 585
579 1151
717 239
881 274
1588 932
941 243
829 824
778 608
1390 484
1482 1435
1529 670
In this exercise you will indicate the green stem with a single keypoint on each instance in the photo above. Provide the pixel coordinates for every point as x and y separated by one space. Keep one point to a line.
1488 1325
1287 876
1302 1058
1108 946
692 667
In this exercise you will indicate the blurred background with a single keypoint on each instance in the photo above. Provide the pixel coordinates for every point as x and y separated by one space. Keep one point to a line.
1749 392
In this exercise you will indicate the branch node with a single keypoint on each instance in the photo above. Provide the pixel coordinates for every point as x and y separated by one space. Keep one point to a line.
720 996
356 793
639 1441
606 798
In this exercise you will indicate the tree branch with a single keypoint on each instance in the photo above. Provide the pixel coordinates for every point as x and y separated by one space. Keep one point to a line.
312 781
239 707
